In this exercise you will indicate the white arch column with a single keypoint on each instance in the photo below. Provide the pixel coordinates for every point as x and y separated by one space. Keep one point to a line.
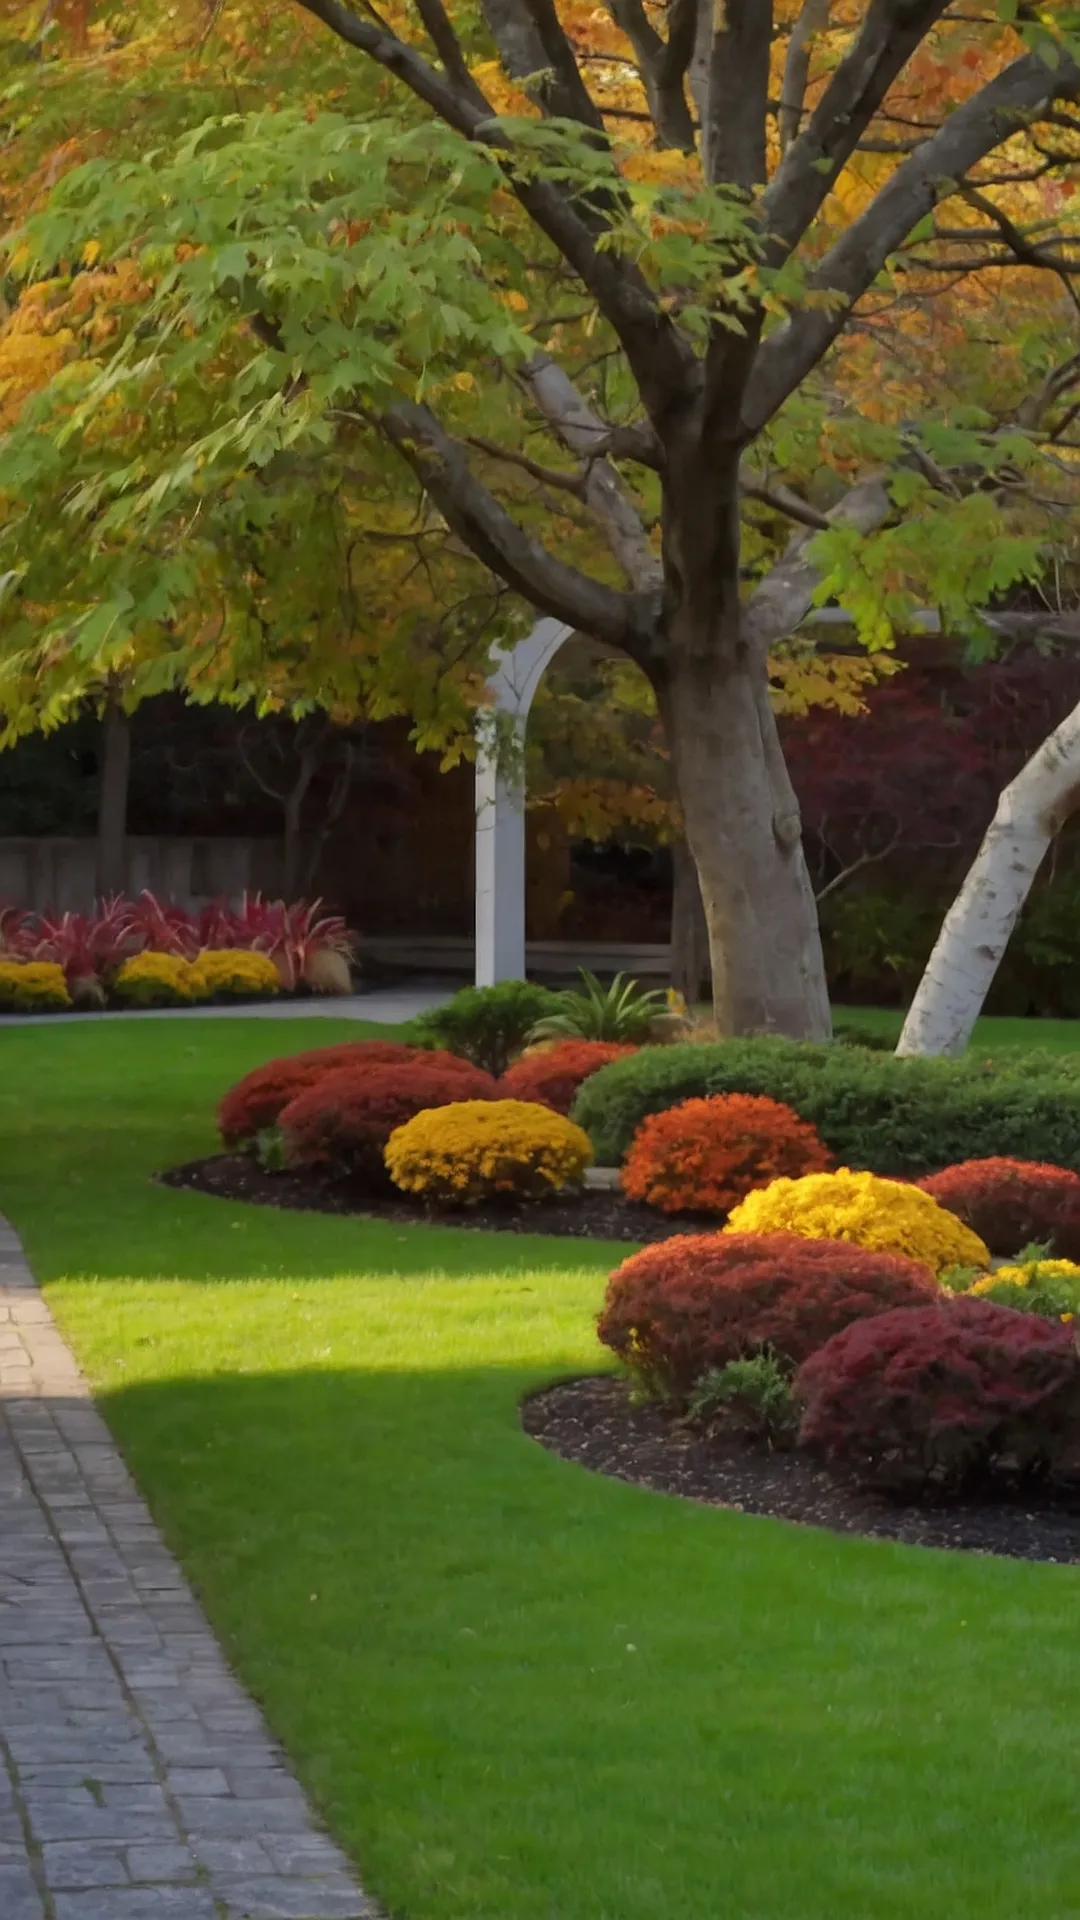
500 803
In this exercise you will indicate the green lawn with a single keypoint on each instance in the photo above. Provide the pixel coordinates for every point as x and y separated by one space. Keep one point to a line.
992 1034
519 1692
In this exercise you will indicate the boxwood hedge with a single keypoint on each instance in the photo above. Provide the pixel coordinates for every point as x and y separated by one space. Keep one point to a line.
902 1117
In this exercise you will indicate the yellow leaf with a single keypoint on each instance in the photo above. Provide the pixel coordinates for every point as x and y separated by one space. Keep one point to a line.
91 252
464 381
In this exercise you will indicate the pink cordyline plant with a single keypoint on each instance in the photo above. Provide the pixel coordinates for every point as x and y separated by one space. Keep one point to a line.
86 945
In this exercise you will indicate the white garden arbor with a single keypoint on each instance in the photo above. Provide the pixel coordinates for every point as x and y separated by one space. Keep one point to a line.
500 802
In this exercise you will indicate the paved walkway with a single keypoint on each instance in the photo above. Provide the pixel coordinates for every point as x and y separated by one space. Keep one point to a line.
137 1779
386 1004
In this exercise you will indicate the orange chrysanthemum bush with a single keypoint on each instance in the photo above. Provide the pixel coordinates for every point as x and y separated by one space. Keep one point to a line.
256 1101
685 1306
1011 1203
551 1076
342 1124
704 1156
473 1149
954 1392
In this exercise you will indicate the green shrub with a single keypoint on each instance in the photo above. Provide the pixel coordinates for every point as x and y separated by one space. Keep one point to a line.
894 1117
752 1397
487 1025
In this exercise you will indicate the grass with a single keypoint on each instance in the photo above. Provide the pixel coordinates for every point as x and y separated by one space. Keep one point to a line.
518 1691
993 1032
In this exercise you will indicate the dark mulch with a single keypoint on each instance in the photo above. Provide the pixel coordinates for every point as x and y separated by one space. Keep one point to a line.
589 1215
595 1423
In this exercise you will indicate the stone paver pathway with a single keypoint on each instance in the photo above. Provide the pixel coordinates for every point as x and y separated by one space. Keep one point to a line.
137 1778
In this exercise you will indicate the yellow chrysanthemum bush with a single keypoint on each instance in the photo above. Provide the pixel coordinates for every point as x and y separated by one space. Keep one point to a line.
156 980
234 972
886 1215
468 1151
33 986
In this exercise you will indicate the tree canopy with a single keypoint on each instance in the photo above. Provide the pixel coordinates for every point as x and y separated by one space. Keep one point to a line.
679 318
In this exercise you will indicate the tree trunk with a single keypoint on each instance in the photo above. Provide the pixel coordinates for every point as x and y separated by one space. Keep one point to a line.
689 932
976 929
293 845
111 873
743 829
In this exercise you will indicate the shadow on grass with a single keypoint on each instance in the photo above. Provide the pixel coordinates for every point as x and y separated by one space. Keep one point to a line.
517 1689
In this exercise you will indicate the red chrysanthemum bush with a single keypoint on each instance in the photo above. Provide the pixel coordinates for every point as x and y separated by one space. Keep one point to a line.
256 1101
341 1124
933 1398
552 1076
695 1302
704 1156
1010 1203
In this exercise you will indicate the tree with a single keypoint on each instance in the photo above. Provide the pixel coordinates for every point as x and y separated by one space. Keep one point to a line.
972 942
615 268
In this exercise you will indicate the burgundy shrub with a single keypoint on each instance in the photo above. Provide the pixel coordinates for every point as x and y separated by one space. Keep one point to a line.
930 1398
1010 1203
342 1124
680 1307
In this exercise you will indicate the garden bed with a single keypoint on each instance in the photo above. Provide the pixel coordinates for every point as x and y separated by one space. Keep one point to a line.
596 1423
592 1215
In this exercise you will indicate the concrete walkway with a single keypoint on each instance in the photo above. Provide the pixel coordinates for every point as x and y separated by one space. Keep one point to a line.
391 1005
137 1779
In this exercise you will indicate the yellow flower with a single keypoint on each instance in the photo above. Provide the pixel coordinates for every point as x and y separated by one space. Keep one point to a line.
886 1215
234 970
1031 1274
156 980
33 986
472 1148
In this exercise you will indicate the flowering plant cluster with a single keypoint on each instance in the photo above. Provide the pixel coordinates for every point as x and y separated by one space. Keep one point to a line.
298 941
704 1156
472 1149
885 1215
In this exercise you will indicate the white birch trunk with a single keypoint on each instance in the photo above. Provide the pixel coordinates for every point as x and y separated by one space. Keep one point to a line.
976 929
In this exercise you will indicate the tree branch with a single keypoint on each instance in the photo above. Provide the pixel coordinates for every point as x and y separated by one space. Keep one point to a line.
533 47
733 136
580 429
662 65
622 619
1020 92
661 358
784 598
890 33
813 19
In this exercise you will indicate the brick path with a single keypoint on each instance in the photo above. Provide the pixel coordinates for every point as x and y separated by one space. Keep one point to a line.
137 1779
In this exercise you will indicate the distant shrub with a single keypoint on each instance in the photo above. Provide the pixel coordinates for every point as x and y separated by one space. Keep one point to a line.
33 986
255 1103
468 1151
233 972
552 1075
933 1398
156 980
1009 1203
342 1123
886 1215
707 1155
487 1025
896 1117
684 1306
